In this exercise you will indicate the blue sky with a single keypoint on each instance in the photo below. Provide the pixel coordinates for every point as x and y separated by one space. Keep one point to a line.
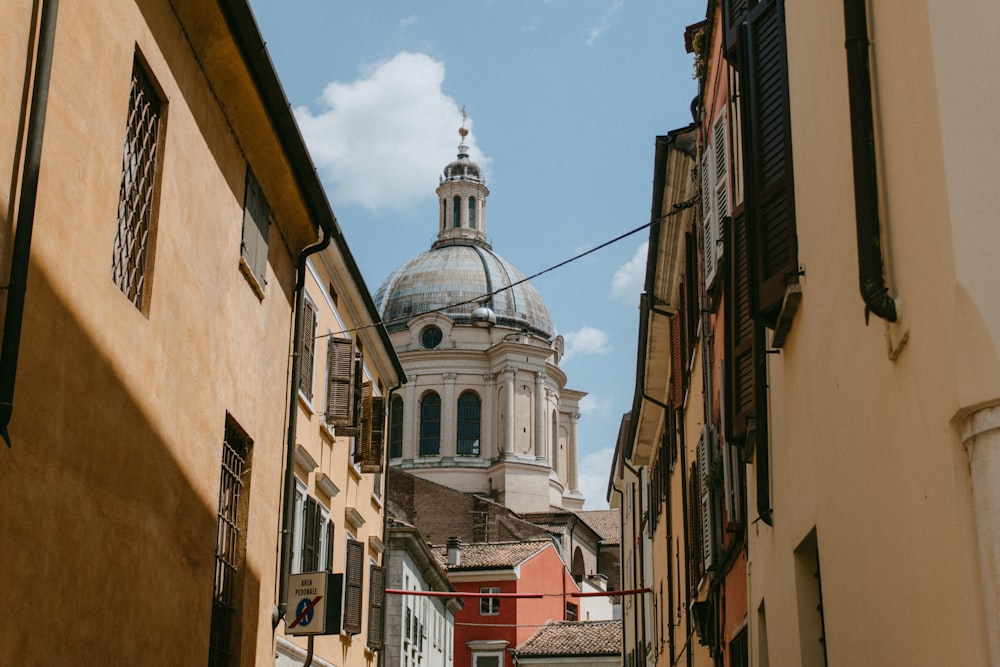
564 99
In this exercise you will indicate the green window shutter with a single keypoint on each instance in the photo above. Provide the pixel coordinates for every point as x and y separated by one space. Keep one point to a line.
308 358
310 542
376 607
768 157
340 382
740 403
330 533
353 582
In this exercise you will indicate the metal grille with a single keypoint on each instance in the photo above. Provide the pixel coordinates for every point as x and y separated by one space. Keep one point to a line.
135 199
227 551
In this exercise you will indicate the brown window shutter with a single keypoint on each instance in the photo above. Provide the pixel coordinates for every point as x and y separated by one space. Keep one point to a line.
358 393
353 581
676 361
363 439
307 360
372 462
376 607
310 542
340 382
740 390
768 157
734 12
256 220
329 546
694 527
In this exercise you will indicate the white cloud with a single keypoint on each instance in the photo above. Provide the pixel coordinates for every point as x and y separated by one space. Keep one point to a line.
587 340
381 141
605 23
590 405
595 471
628 280
408 21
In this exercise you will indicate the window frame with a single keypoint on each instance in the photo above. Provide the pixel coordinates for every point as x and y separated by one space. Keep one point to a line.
425 437
489 606
473 445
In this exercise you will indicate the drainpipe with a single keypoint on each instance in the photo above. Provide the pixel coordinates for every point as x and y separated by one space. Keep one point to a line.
288 504
385 514
871 268
17 285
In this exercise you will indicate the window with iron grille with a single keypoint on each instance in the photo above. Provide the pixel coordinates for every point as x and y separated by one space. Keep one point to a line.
230 548
136 195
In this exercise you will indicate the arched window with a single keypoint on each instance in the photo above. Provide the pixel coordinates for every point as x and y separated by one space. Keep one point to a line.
396 428
468 424
430 425
457 211
472 212
444 212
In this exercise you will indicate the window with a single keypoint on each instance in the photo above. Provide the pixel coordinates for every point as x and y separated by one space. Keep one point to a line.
353 582
307 360
456 210
256 221
430 337
230 548
489 606
137 193
370 442
312 534
472 212
396 428
809 591
739 650
491 660
572 611
430 425
714 194
468 424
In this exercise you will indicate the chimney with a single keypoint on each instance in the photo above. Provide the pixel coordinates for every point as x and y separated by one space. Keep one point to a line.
454 552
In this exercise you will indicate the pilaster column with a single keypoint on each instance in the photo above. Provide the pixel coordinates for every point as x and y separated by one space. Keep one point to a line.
448 416
410 412
571 455
981 438
540 452
487 425
508 417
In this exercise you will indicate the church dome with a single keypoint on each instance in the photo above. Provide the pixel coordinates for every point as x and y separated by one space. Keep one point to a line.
455 273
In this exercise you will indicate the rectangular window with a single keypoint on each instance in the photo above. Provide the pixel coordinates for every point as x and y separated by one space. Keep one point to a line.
341 372
489 606
137 192
307 360
492 660
572 611
256 221
396 428
312 534
230 548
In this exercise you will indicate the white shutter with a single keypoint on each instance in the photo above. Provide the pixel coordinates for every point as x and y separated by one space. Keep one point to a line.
708 212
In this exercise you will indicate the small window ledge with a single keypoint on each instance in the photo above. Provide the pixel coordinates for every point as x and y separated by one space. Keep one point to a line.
326 485
376 544
305 459
306 403
255 285
354 517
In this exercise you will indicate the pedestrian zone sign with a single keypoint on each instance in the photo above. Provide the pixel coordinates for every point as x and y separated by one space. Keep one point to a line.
313 603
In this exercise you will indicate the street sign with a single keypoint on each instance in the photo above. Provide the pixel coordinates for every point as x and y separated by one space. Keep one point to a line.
314 603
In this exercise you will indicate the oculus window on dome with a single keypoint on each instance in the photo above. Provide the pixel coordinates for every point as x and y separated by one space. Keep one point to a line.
431 337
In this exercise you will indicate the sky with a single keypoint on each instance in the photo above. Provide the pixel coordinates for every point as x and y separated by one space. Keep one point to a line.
564 101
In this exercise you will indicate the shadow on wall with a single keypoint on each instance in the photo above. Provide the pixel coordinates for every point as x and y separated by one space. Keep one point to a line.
108 549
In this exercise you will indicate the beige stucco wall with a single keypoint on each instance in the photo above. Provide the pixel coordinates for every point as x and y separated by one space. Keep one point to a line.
864 449
109 495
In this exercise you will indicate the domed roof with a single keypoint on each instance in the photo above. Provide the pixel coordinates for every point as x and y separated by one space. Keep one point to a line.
454 273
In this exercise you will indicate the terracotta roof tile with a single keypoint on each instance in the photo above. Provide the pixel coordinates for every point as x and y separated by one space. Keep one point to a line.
493 555
606 523
575 638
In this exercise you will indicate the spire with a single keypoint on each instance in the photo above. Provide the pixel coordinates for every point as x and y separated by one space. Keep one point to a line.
462 198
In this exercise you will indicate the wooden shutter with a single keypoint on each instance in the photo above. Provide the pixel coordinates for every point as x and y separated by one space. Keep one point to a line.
676 360
340 382
358 392
353 581
768 157
376 607
740 387
363 439
308 358
694 526
311 529
734 12
330 534
372 462
708 211
256 220
705 456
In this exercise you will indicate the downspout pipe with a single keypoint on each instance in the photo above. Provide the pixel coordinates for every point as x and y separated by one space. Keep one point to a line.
288 501
17 285
871 267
